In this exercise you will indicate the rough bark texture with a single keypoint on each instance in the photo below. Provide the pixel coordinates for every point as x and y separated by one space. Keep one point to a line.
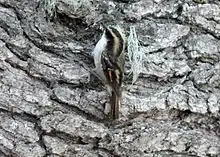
51 105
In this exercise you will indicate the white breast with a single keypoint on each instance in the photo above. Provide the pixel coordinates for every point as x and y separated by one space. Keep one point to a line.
97 52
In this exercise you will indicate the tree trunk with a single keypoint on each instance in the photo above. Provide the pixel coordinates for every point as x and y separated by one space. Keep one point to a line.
52 105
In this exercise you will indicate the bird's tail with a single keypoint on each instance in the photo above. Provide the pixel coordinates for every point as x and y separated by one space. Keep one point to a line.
115 102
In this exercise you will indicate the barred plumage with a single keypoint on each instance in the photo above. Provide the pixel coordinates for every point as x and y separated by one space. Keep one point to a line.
109 60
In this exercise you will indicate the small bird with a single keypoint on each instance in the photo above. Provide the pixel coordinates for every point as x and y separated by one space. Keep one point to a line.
109 61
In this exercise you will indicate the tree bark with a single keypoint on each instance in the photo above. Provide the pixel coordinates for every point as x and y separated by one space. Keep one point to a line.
52 105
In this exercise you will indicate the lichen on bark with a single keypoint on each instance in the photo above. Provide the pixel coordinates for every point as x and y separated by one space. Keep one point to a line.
52 105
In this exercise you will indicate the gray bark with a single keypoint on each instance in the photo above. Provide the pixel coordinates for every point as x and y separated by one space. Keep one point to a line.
51 105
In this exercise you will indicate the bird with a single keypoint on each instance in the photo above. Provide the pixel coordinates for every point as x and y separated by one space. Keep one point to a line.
109 59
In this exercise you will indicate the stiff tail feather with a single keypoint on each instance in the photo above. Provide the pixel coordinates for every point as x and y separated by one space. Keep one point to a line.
115 102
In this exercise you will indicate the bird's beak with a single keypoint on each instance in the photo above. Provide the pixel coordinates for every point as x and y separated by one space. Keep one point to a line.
103 27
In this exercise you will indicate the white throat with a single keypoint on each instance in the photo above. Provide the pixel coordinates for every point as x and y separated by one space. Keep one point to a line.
99 48
97 53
